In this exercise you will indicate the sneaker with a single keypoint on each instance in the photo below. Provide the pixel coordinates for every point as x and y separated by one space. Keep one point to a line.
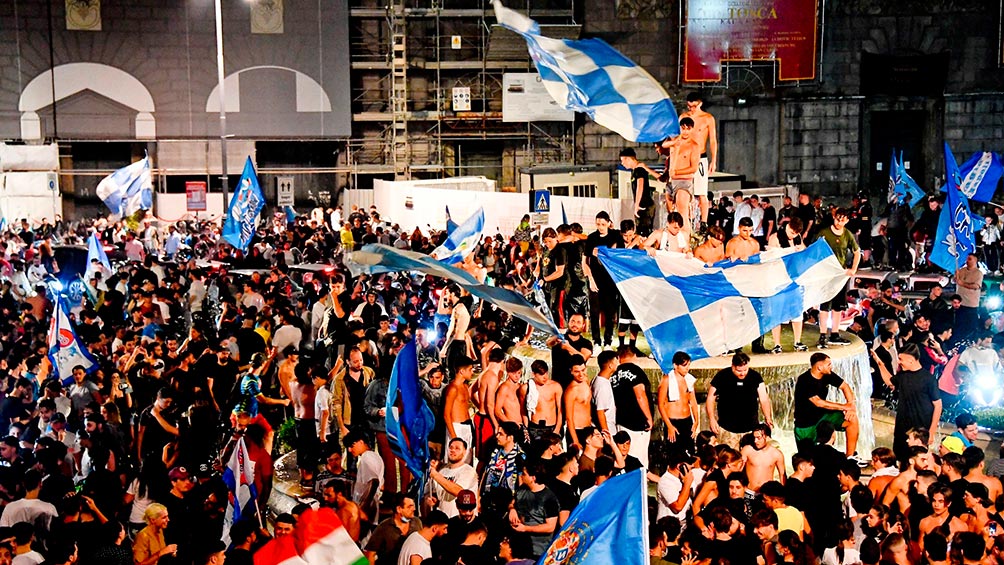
822 342
776 350
836 339
801 347
759 350
860 462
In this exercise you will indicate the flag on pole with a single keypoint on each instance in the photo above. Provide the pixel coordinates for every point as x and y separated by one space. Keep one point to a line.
955 238
980 176
564 216
461 242
241 492
408 427
95 250
590 76
290 215
128 190
320 538
248 200
66 351
683 305
450 224
901 183
610 525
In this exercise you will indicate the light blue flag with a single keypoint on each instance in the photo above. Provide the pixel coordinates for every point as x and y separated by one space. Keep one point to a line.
128 189
980 176
610 525
901 183
590 76
248 200
3 224
450 224
66 351
683 305
410 425
541 299
956 237
461 242
290 215
564 216
375 258
97 251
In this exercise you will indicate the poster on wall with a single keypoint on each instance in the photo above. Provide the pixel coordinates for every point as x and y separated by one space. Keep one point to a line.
524 99
83 15
266 16
195 196
719 31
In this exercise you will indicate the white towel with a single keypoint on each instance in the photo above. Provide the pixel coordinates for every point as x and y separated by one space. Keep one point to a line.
673 392
532 395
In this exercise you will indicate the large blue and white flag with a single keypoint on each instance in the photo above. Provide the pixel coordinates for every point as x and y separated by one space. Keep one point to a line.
683 305
375 258
461 242
66 351
590 76
410 425
901 183
450 224
242 216
979 176
956 236
242 494
610 525
96 251
128 190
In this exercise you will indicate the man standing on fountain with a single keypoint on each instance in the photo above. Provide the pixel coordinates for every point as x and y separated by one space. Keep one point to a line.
737 390
812 408
841 241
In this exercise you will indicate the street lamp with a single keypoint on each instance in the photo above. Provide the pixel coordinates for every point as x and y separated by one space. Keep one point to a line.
223 110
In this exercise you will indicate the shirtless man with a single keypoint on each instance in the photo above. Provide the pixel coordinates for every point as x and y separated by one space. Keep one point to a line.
544 415
713 248
678 404
941 496
686 159
510 398
670 238
974 460
578 403
920 460
287 369
706 135
742 246
884 463
456 406
457 346
484 401
762 458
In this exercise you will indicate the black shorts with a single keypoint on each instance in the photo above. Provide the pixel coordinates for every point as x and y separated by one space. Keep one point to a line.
836 304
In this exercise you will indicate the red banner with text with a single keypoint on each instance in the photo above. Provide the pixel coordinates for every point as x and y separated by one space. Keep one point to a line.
717 31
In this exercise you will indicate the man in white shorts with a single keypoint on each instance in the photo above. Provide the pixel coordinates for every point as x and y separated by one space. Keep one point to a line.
706 136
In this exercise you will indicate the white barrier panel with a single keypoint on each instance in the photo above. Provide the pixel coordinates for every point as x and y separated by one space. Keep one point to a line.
410 206
29 157
174 207
30 195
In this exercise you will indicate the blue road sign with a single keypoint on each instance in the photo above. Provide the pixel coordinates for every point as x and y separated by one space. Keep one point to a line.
541 201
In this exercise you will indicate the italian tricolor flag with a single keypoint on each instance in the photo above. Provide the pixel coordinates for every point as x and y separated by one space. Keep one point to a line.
319 539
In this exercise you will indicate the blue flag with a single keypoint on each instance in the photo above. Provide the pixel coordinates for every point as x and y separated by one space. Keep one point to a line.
461 242
97 251
248 200
408 427
450 224
66 351
901 183
128 189
979 176
610 525
564 216
956 235
290 215
590 76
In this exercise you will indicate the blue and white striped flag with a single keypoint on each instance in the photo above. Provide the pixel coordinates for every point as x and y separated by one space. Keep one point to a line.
461 242
128 190
590 76
375 258
450 224
683 305
242 216
96 251
66 351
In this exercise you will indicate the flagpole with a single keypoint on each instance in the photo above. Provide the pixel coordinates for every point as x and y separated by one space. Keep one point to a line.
223 109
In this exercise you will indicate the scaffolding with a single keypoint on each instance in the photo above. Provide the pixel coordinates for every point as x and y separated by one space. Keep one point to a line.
407 56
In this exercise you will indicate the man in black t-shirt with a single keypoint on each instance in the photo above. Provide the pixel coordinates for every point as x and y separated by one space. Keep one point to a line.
553 267
919 399
641 190
562 350
812 408
807 214
632 397
733 398
604 299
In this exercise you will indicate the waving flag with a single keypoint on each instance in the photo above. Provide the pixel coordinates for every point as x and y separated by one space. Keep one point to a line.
128 190
541 300
248 200
241 492
375 258
66 351
320 538
610 525
979 176
564 216
901 183
590 76
290 215
461 242
95 250
450 224
408 427
956 234
683 305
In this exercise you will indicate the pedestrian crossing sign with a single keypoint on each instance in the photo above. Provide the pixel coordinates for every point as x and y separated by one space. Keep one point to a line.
541 201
